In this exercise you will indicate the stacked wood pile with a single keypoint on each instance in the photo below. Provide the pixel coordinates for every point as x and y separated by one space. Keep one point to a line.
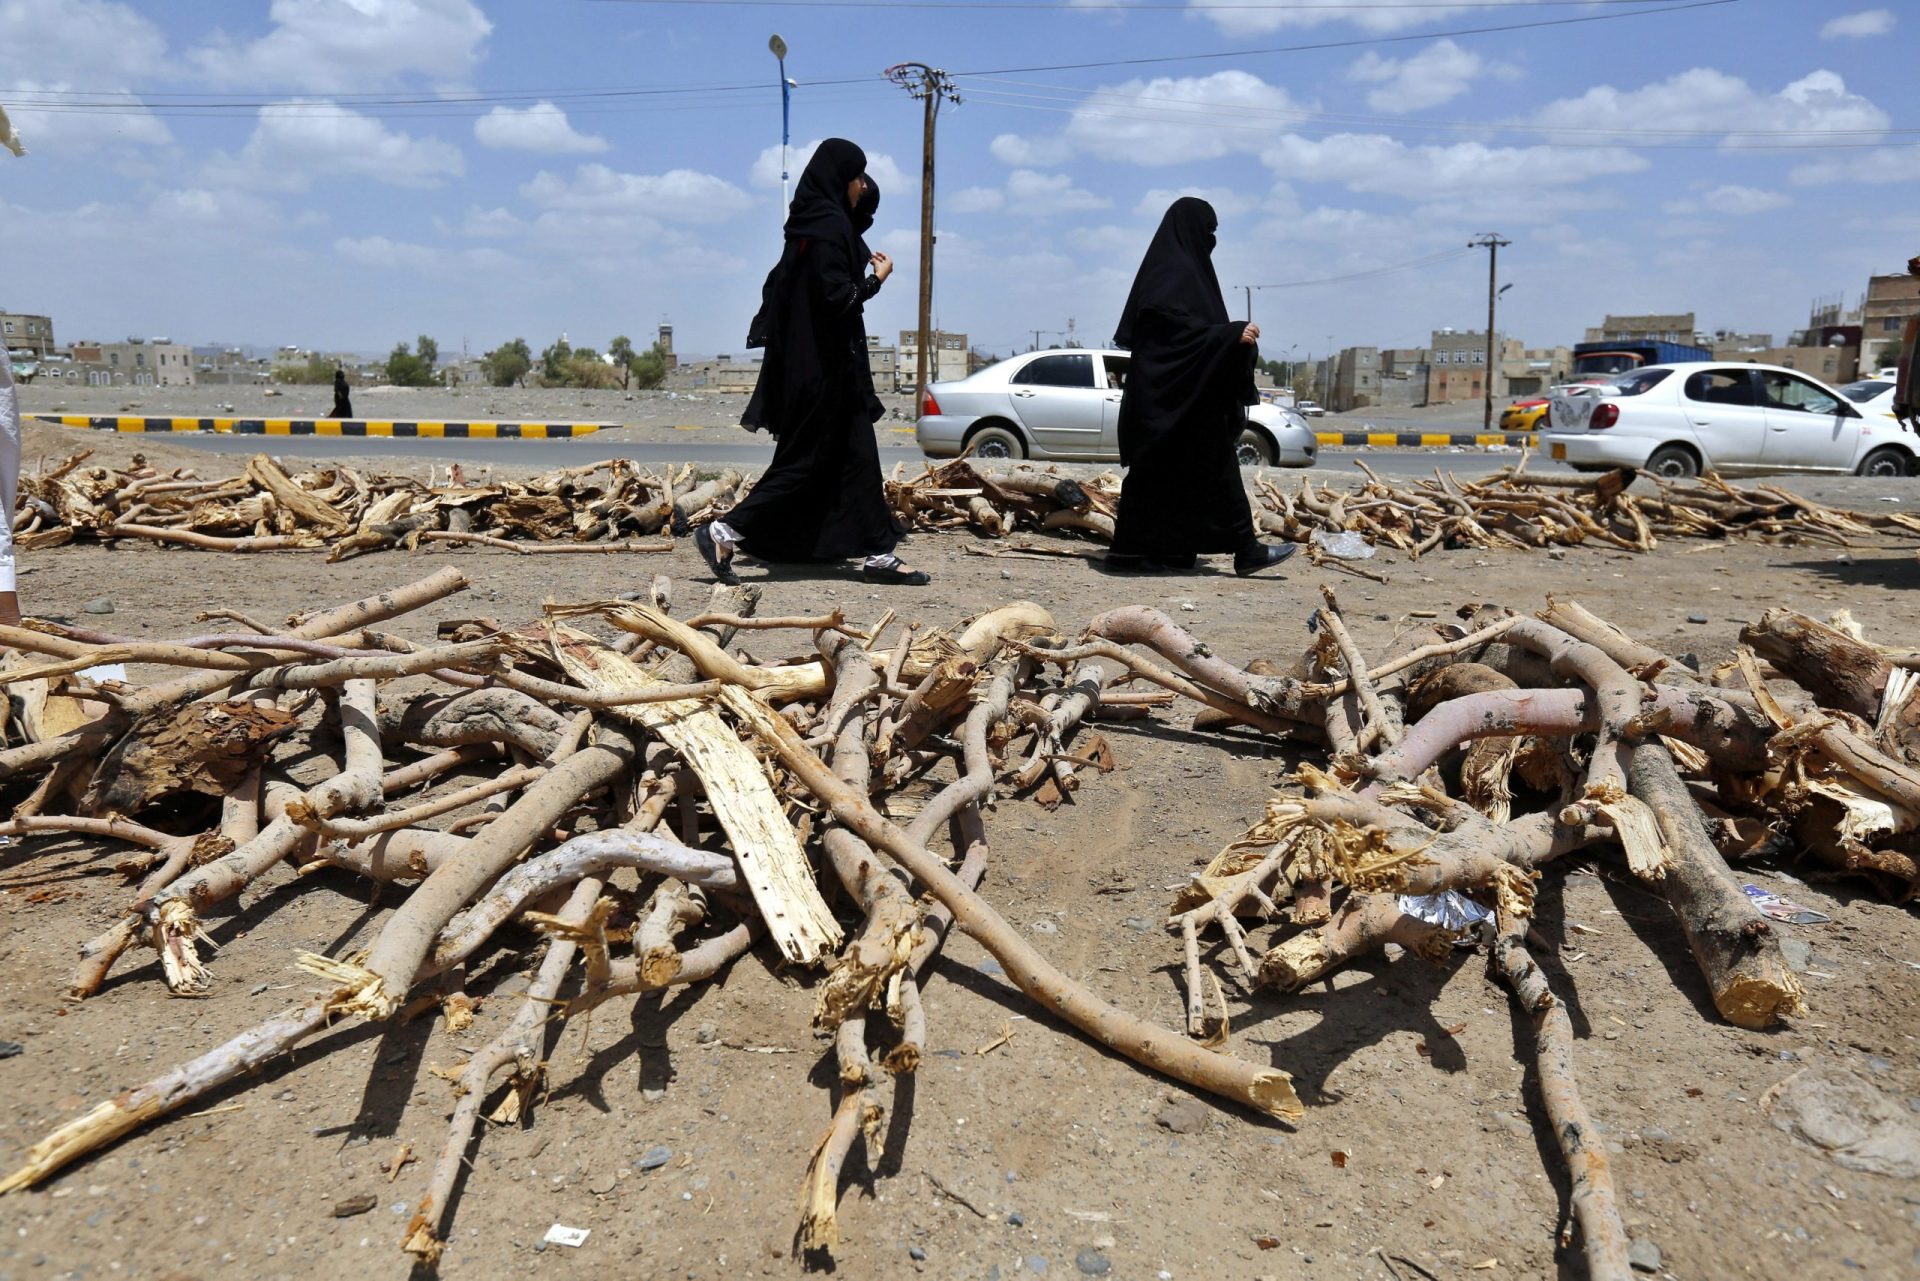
957 495
1524 510
494 775
599 507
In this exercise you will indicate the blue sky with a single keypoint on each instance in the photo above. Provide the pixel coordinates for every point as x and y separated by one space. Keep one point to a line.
480 169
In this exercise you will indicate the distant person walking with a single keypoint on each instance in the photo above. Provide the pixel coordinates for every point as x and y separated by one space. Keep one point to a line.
821 498
342 401
1189 383
9 484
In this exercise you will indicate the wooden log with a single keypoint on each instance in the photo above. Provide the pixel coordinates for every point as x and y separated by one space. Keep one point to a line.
1595 1205
1840 671
1737 949
738 789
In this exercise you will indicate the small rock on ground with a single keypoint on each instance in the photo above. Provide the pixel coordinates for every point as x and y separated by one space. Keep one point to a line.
655 1157
1183 1115
98 605
1644 1255
1092 1262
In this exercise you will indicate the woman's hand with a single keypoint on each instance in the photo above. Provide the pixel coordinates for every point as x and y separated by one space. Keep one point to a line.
882 266
1251 334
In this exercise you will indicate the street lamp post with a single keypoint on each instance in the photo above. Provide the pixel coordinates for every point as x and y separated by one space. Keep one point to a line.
779 50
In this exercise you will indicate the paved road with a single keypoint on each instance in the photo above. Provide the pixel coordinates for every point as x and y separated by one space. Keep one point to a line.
727 448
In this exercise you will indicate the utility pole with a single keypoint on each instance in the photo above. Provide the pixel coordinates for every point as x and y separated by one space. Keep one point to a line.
1036 341
931 87
1491 242
1249 289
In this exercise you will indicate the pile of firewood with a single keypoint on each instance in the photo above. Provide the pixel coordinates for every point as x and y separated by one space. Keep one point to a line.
957 495
591 508
527 774
1522 510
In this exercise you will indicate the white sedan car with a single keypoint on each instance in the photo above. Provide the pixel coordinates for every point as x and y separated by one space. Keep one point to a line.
1873 397
1679 420
1065 406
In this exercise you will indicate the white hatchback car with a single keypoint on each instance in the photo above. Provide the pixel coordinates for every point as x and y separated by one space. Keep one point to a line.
1065 406
1679 420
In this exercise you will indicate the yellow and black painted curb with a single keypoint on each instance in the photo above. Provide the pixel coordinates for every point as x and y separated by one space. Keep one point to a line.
1426 439
349 427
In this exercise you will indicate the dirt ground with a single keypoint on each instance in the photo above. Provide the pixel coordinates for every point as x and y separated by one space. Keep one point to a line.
1045 1156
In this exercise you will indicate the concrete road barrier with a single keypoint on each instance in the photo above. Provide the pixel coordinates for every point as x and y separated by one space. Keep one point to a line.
329 427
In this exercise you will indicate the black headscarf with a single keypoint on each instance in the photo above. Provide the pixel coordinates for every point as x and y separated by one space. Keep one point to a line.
819 211
1177 273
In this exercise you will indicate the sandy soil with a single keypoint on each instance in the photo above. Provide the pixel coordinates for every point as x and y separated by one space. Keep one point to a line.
1046 1151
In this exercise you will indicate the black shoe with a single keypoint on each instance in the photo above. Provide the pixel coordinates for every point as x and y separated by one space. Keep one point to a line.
1261 556
722 569
896 574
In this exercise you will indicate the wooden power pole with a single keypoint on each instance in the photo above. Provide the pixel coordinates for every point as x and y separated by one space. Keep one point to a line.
931 87
1491 242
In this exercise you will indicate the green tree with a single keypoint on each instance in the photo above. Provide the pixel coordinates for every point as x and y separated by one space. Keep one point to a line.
508 363
317 372
404 369
553 364
649 368
621 349
429 350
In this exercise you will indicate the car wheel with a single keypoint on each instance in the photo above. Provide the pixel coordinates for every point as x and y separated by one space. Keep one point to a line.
1673 462
1254 450
1886 462
996 441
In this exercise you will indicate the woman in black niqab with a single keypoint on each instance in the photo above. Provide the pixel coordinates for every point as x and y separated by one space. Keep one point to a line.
821 498
1189 382
342 399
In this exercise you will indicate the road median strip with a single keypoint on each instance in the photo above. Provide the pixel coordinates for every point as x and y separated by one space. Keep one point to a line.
1428 440
345 427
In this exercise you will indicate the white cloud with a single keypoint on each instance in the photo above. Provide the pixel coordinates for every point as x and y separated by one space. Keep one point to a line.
488 224
212 208
1379 164
1178 120
384 254
1226 202
336 45
679 195
1868 22
1877 167
49 48
1707 101
1236 17
542 127
1107 241
766 170
296 144
1731 199
975 200
1029 153
1439 73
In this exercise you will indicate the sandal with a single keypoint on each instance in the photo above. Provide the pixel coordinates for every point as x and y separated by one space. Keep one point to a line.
897 574
710 552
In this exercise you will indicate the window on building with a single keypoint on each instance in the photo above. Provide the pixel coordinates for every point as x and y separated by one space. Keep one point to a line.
9 326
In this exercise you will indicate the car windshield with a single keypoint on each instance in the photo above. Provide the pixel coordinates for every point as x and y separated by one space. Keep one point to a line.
1637 381
1864 390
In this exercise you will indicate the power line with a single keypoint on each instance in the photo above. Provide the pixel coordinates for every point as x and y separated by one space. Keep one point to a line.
1352 43
1431 260
1255 6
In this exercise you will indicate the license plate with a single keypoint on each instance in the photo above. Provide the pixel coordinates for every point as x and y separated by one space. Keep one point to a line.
1560 451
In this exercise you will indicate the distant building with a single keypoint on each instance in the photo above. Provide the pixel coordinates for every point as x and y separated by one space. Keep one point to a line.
137 362
665 343
1728 345
1883 317
1670 327
1831 365
884 361
1355 383
722 374
229 367
948 359
25 332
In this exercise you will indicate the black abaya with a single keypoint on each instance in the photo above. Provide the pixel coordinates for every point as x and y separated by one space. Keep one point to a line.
821 497
342 402
1189 381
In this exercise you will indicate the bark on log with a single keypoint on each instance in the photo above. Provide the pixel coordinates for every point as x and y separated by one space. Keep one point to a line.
1737 949
1603 1236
